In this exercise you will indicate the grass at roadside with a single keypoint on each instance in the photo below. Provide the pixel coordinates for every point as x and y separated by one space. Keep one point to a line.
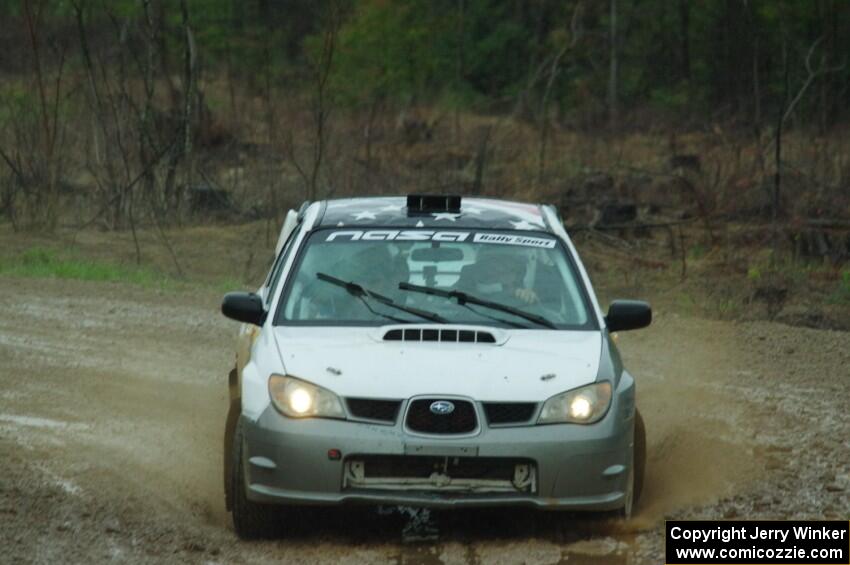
38 262
841 295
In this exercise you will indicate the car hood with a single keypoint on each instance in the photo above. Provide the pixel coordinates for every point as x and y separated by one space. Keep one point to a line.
523 365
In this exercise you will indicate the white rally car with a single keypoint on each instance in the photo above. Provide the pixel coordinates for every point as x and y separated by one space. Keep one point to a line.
429 351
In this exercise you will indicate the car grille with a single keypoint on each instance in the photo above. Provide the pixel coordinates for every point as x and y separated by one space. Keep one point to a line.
461 420
502 413
374 409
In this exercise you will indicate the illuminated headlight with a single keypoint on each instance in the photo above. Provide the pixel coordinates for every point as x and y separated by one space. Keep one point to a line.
299 399
584 405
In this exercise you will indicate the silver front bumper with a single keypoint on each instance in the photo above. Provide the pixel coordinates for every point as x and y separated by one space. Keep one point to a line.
570 466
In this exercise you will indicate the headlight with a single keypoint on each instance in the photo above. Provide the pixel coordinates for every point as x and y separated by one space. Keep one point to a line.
584 405
299 399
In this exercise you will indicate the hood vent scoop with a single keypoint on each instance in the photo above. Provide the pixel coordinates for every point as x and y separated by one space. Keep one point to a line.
433 334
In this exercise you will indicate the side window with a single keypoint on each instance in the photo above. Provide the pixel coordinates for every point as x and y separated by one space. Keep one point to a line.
277 268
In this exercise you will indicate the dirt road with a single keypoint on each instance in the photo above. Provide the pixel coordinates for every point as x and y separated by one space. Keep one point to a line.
112 404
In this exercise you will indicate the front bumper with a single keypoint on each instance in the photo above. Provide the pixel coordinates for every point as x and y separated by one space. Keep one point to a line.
577 467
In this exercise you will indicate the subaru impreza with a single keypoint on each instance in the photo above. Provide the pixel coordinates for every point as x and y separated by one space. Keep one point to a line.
429 351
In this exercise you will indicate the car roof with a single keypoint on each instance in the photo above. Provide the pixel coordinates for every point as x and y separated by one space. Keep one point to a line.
391 211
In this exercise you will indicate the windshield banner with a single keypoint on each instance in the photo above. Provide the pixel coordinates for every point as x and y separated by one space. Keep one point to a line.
433 235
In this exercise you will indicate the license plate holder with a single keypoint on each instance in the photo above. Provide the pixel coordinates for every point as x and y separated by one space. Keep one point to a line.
440 450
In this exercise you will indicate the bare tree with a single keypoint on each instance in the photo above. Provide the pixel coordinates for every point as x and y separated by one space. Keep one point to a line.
575 33
134 145
613 71
189 89
35 161
812 73
320 108
786 109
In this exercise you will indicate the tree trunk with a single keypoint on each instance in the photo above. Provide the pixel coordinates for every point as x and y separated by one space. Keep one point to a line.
756 86
613 117
684 33
777 179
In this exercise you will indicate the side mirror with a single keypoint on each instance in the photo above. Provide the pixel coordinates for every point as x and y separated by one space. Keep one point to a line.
628 315
244 307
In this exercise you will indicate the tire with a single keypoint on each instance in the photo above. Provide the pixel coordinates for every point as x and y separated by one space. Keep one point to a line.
227 453
251 520
636 470
640 455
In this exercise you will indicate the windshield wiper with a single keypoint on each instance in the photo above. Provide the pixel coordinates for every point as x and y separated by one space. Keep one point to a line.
464 298
358 291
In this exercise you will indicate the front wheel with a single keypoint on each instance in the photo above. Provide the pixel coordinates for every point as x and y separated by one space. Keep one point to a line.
251 520
634 483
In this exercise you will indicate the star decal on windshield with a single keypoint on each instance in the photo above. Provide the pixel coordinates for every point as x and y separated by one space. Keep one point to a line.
523 225
365 215
445 216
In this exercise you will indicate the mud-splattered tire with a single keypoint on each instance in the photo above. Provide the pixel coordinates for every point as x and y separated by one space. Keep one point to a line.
636 471
250 519
640 456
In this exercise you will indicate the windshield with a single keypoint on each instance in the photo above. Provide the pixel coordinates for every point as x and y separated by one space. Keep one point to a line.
353 277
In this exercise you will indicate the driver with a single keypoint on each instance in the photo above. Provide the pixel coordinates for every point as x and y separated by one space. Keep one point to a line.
373 268
498 275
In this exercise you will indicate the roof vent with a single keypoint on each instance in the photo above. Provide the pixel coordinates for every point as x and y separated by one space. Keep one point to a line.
428 203
434 334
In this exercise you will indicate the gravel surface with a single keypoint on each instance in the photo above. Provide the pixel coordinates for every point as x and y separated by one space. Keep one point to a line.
112 406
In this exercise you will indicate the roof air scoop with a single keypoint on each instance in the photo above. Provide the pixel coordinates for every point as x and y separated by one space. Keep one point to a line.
430 203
